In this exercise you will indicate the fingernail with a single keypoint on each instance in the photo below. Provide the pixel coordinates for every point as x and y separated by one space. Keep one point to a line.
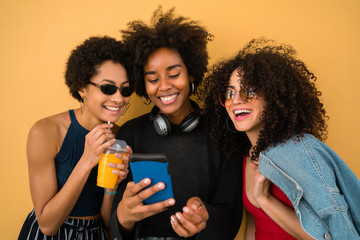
160 185
194 206
178 216
172 219
171 201
110 164
146 181
186 210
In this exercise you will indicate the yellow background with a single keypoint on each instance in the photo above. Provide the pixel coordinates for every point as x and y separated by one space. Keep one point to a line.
37 36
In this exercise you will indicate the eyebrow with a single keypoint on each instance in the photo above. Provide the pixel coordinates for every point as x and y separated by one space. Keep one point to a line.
168 68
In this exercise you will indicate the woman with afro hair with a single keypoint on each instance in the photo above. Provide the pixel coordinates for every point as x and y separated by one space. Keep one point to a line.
63 150
265 100
170 60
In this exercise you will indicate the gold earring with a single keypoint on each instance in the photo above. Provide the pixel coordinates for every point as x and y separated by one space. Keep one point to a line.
127 107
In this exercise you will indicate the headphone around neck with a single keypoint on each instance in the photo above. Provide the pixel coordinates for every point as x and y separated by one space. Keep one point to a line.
162 124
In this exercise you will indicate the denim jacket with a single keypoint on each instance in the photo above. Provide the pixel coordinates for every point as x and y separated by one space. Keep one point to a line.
323 190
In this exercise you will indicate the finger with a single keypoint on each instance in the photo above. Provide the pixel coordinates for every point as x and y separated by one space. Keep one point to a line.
123 156
106 144
178 228
254 166
191 216
121 173
194 203
118 166
129 149
190 226
133 189
185 227
150 191
197 207
101 128
158 207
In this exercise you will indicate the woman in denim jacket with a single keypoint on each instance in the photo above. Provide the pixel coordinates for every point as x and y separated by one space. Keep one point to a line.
295 186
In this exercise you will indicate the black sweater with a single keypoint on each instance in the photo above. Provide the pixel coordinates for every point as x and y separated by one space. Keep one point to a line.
197 169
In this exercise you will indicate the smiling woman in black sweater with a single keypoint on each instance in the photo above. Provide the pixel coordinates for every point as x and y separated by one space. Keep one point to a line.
170 60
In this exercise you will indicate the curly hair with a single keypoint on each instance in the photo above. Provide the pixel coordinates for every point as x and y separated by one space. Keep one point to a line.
292 100
166 30
86 58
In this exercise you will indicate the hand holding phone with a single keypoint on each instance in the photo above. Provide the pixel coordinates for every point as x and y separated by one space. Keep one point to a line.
155 167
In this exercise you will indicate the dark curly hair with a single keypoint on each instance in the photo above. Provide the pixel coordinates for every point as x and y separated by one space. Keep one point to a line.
292 100
178 33
86 58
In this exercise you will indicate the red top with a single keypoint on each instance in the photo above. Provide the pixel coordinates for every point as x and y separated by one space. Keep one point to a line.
265 227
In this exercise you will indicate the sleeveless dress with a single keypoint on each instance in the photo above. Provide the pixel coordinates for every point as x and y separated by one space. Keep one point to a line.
89 201
265 227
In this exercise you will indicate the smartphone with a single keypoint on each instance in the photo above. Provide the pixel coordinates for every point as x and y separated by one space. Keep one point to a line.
155 167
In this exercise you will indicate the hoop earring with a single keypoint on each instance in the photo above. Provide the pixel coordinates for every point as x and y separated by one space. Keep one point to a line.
227 125
147 102
82 105
192 88
127 107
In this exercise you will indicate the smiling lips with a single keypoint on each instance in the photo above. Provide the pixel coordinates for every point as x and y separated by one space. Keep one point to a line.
168 99
113 109
241 113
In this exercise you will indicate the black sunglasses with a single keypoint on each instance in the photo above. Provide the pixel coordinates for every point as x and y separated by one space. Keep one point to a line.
110 89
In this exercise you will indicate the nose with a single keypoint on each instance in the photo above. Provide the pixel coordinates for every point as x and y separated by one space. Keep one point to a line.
237 99
117 97
164 84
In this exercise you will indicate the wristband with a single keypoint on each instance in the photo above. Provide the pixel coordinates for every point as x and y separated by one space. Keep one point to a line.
110 193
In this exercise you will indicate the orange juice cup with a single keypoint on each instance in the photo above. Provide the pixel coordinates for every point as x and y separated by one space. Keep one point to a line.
106 178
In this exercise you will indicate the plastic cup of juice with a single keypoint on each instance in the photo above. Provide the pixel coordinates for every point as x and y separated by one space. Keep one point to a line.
105 177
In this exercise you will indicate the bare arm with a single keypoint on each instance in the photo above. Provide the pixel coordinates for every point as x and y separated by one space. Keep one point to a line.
250 227
51 206
284 216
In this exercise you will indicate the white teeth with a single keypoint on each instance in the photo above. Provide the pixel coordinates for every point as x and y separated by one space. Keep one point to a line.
240 111
168 98
112 108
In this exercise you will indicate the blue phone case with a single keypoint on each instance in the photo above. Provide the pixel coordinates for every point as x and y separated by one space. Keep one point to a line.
155 167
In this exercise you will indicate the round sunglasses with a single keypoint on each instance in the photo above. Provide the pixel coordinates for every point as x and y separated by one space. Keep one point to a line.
246 95
110 89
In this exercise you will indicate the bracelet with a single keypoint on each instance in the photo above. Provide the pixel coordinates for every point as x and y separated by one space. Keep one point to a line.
110 193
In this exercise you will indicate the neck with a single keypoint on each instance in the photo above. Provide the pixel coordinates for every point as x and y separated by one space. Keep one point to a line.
253 137
179 116
85 120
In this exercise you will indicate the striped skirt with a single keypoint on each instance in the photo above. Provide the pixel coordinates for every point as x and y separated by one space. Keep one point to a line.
72 229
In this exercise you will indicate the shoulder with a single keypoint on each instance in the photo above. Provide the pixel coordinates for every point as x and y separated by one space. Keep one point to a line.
294 143
298 151
51 129
50 124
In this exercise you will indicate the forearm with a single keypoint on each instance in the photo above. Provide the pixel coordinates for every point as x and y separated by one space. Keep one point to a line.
106 207
284 216
58 208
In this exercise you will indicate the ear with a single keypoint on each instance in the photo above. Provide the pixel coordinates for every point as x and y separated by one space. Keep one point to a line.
82 92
